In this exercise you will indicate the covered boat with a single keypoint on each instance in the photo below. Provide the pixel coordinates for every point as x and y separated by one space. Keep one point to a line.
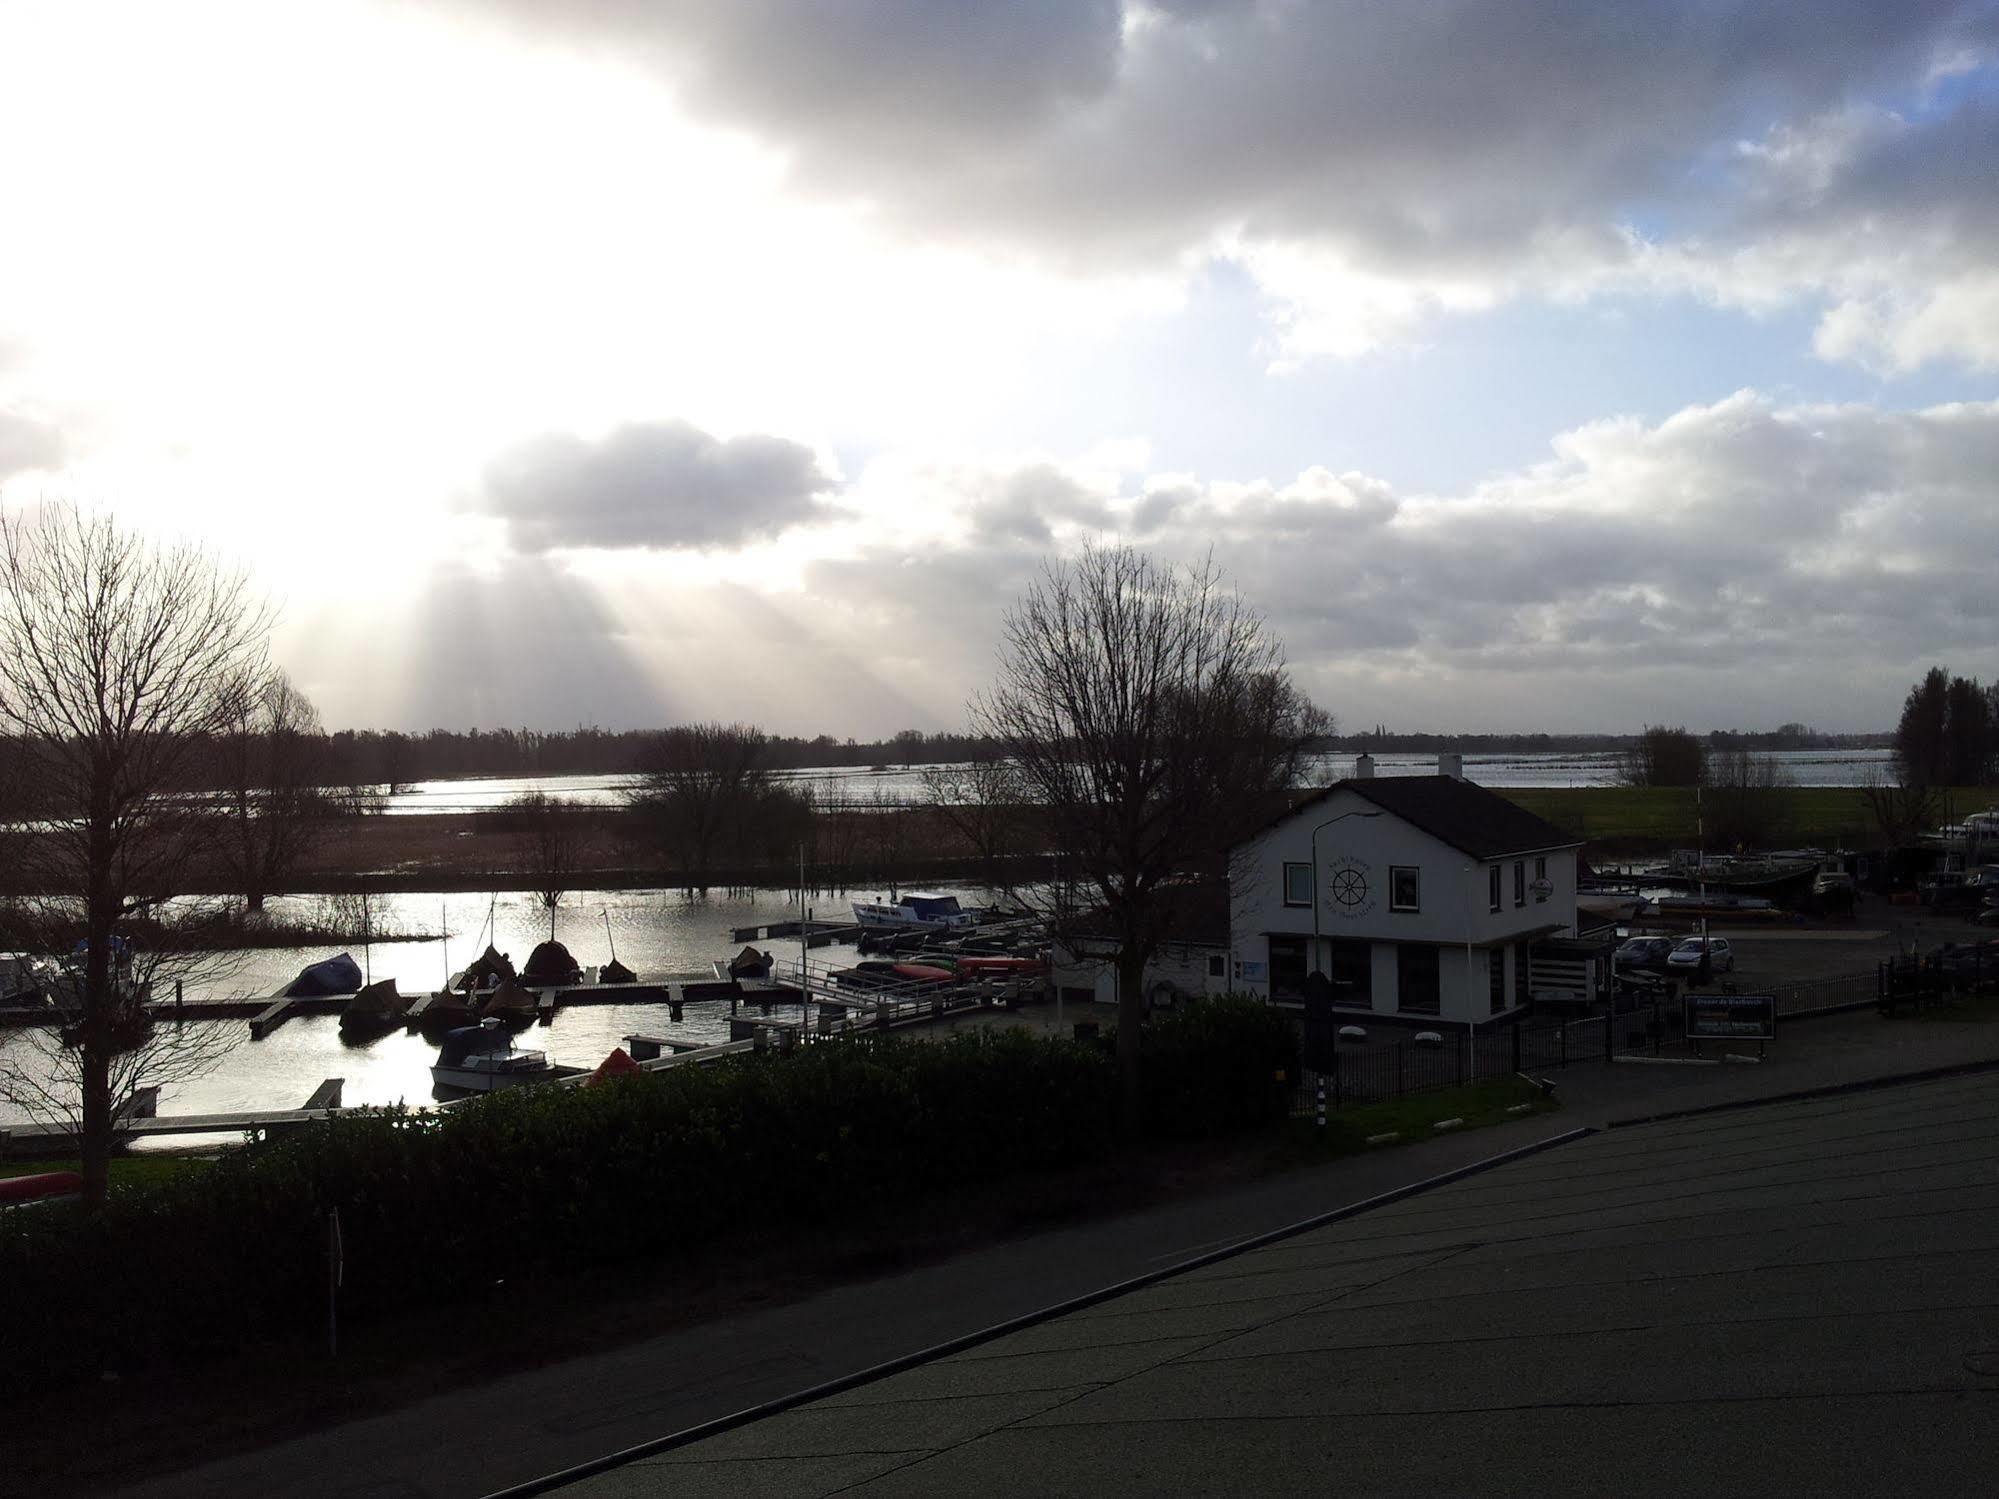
480 1058
447 1008
510 1002
376 1008
750 964
486 971
550 967
341 975
615 972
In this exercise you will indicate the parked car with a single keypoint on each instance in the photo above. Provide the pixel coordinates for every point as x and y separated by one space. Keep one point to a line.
1642 954
1721 957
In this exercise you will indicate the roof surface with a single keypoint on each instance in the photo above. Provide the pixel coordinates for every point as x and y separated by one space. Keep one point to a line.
1467 816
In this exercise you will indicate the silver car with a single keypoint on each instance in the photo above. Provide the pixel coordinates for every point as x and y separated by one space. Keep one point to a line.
1721 957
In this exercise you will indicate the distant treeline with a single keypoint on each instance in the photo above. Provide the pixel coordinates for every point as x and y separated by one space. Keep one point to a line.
1791 736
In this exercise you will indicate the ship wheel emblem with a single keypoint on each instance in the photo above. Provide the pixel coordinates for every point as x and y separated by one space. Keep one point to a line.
1349 888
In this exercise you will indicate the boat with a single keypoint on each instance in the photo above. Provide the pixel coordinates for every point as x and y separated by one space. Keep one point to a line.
377 1007
448 1009
615 972
983 967
510 1002
1716 904
914 910
481 1058
924 973
337 975
750 964
484 972
24 984
550 966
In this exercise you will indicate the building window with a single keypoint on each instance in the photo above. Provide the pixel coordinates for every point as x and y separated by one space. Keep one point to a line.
1216 968
1540 877
1350 965
1519 882
1297 884
1492 886
1418 979
1405 887
1523 967
1495 979
1287 969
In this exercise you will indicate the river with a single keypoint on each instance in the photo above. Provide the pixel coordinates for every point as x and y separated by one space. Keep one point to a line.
858 784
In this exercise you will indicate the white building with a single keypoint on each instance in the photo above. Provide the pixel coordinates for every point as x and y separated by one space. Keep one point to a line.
1192 962
1421 897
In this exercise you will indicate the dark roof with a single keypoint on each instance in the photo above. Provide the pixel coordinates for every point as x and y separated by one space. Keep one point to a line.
1195 911
1468 817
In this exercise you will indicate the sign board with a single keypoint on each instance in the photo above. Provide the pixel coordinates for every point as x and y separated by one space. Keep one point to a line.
1731 1017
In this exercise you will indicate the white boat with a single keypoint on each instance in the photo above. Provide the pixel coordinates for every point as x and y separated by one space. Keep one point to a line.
914 910
480 1058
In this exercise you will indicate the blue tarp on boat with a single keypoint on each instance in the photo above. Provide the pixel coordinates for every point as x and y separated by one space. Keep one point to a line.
341 975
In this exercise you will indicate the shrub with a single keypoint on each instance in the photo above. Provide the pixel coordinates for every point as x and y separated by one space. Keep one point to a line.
1218 1066
527 1182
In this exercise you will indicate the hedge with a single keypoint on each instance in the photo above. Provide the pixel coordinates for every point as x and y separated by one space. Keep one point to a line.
526 1183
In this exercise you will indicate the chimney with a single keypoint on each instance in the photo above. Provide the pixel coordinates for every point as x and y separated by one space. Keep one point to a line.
1452 765
1363 768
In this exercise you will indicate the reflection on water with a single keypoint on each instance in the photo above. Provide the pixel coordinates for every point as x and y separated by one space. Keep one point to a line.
655 932
849 784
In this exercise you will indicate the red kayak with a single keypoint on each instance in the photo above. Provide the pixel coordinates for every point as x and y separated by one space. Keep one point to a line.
44 1184
924 972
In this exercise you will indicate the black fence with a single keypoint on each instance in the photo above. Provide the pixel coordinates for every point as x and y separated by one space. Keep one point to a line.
1374 1071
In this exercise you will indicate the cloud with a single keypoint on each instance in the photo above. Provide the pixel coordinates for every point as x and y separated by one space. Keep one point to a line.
1741 562
656 485
27 444
1376 166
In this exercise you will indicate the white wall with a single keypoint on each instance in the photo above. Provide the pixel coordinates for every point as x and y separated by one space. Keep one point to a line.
1093 966
1354 856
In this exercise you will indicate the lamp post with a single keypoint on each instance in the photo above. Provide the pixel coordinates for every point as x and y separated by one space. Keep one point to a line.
1317 936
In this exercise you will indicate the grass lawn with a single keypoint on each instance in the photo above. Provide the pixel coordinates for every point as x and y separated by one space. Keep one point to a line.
126 1170
1665 816
1415 1117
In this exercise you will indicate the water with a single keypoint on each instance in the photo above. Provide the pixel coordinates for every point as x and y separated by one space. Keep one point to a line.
656 932
850 785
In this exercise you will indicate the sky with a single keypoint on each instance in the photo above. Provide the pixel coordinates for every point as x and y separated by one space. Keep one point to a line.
1545 365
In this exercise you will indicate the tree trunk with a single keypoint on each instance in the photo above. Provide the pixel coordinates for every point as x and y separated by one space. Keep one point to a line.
96 1141
1130 1022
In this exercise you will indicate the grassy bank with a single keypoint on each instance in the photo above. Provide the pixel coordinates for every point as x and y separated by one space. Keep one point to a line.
1415 1118
1652 818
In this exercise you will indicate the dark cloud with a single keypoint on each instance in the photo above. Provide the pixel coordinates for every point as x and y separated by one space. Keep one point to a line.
1020 505
657 485
1436 132
26 444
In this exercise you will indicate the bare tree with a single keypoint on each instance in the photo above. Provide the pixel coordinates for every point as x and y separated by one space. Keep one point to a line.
986 804
121 662
1745 802
547 842
699 786
1149 714
273 759
1665 757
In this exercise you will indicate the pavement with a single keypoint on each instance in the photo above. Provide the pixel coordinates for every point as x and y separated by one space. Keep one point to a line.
1789 1299
478 1440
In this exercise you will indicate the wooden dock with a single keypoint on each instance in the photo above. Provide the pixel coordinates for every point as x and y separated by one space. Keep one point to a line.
817 933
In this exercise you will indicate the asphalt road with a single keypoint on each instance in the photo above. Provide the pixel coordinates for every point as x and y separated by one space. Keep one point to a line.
1791 1299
